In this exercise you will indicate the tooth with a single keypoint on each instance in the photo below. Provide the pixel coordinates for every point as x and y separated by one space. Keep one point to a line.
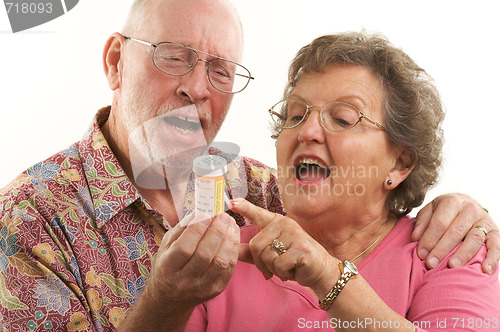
185 118
311 161
184 131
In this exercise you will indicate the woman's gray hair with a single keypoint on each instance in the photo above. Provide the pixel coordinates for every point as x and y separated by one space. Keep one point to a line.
413 111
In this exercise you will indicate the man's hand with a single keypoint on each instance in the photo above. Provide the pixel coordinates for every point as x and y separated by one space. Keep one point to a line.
193 265
196 264
444 222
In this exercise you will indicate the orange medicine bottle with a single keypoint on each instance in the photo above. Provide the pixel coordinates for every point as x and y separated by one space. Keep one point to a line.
209 184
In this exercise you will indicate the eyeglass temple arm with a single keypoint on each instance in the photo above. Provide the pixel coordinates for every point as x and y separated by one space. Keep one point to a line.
371 121
139 41
249 77
277 114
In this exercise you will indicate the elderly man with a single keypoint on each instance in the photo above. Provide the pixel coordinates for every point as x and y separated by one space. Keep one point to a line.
84 233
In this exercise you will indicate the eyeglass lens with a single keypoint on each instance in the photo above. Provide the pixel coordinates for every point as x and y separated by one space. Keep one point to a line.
178 60
336 116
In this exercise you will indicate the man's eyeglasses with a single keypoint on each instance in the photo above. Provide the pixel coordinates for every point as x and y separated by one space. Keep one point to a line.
177 60
334 115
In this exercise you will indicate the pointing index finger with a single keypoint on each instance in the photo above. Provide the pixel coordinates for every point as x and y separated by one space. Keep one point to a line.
258 216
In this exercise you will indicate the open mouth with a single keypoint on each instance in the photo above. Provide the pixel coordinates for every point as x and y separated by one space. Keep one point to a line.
311 170
183 124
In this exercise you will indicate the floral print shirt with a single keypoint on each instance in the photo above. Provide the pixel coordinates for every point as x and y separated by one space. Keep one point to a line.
77 240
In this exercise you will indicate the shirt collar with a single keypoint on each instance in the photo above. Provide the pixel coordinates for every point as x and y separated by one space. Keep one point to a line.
110 189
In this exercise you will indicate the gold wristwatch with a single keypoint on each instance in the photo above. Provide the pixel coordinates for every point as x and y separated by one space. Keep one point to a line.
347 271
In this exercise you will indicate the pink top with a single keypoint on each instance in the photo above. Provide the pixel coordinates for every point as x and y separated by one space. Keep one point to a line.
439 299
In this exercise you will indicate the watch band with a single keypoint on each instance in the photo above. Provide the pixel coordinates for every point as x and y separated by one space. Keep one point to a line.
347 271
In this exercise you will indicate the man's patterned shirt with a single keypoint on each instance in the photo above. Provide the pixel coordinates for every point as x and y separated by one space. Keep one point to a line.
77 240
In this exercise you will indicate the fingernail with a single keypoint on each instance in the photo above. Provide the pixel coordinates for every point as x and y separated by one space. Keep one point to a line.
489 269
455 262
433 262
204 218
188 218
191 219
423 253
207 221
225 218
236 230
234 203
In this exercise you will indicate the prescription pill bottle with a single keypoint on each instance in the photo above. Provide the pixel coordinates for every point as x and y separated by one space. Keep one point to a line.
209 184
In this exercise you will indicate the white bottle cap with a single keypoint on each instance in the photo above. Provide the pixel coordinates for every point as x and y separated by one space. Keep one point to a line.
209 165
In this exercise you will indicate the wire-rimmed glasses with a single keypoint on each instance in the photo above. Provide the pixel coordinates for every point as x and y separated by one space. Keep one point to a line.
178 60
334 115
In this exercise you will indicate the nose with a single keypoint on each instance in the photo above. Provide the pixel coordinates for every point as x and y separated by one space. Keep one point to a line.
311 129
195 85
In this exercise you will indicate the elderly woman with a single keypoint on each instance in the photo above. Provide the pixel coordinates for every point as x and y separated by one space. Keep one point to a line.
358 146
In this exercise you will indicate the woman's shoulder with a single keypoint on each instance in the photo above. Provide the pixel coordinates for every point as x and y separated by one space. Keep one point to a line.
396 259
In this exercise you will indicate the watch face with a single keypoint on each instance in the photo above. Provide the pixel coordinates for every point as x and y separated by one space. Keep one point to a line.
351 267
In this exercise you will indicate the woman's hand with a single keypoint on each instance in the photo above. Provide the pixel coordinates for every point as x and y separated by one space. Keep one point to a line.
301 258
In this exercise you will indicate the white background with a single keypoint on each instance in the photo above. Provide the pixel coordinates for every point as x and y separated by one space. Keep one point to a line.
52 81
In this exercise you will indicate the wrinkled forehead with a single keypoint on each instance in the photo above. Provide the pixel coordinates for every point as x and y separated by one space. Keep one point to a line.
211 26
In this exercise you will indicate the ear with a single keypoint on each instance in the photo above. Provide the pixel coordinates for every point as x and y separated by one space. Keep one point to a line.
404 164
111 60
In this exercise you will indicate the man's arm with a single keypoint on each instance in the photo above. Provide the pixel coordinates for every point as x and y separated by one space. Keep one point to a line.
38 274
442 224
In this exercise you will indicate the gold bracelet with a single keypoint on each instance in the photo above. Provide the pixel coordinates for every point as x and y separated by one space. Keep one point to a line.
347 271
